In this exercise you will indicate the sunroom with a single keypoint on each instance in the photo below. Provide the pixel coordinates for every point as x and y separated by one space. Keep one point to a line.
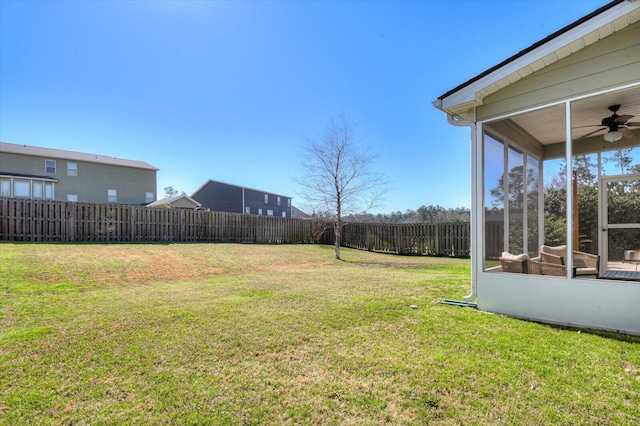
556 175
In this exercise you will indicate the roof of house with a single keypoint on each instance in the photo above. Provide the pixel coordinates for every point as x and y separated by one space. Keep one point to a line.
236 186
610 18
296 213
169 201
72 155
27 176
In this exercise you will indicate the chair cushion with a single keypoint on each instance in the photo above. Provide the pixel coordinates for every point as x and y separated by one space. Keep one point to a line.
514 263
558 250
507 255
586 271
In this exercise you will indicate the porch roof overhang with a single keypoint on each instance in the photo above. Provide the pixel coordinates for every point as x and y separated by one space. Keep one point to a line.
27 176
614 16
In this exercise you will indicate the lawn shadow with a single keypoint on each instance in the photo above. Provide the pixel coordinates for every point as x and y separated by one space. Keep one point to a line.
613 335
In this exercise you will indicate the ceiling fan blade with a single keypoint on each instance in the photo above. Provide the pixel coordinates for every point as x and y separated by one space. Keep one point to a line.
623 118
633 124
591 133
628 134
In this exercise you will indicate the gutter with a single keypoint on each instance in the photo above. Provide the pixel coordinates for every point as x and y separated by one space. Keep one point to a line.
458 122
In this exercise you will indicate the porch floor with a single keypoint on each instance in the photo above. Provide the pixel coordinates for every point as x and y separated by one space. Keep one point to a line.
621 271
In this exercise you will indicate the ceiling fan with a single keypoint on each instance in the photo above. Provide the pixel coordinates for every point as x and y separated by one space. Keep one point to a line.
617 126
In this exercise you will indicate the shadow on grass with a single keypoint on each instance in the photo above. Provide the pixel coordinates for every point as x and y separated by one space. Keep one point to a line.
613 335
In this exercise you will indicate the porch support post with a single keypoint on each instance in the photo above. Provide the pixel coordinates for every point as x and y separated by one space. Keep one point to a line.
505 184
603 243
541 184
477 208
570 194
525 203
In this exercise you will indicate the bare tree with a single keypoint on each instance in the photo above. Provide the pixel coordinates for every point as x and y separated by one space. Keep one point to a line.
169 191
337 176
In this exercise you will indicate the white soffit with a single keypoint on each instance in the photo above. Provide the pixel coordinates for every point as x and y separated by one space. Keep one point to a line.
583 35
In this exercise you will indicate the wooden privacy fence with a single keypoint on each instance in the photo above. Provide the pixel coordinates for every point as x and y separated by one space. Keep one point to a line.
437 239
45 220
493 239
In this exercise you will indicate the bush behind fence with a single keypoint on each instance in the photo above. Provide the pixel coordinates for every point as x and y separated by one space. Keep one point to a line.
62 221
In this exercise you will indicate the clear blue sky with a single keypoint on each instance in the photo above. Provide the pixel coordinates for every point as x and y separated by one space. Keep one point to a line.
228 90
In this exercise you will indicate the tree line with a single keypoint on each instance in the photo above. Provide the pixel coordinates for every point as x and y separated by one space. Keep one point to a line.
424 214
623 203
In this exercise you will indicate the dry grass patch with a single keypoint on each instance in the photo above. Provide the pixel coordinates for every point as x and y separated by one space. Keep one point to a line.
139 263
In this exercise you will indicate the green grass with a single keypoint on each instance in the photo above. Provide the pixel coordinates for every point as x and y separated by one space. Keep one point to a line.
251 334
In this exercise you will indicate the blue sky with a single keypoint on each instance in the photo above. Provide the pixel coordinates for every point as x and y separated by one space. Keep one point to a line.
229 90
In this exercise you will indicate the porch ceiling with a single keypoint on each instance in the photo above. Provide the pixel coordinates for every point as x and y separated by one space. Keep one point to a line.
547 125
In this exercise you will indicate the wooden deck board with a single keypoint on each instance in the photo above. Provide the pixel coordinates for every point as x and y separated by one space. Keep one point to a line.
621 275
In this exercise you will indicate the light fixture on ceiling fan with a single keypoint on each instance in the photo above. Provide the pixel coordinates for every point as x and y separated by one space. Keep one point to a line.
612 136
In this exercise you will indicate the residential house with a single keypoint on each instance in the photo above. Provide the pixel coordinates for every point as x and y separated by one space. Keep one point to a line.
178 202
570 99
55 174
224 197
296 213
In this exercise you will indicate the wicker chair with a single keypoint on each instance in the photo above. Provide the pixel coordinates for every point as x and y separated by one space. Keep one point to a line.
518 266
583 263
544 268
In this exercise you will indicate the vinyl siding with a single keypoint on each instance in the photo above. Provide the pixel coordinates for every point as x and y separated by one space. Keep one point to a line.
92 180
224 197
611 62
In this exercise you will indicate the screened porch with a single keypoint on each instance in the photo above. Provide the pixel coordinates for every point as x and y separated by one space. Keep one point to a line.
564 179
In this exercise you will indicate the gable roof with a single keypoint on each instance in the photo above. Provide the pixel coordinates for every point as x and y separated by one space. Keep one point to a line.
179 201
236 186
599 24
72 155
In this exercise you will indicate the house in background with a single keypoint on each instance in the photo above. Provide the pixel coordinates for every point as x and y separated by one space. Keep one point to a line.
571 99
296 213
54 174
177 202
224 197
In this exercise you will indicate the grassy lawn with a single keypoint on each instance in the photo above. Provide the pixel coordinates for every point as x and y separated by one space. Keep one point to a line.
252 334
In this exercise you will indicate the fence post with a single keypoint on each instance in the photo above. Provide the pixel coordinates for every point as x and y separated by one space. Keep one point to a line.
71 222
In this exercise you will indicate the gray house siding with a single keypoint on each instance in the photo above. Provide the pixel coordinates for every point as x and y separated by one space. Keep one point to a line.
220 197
130 182
224 197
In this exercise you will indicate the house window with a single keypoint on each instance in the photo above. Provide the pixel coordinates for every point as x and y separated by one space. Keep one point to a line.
37 189
50 166
21 188
266 198
72 197
148 197
48 191
288 202
284 214
278 200
112 195
5 188
72 169
247 210
259 211
269 212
